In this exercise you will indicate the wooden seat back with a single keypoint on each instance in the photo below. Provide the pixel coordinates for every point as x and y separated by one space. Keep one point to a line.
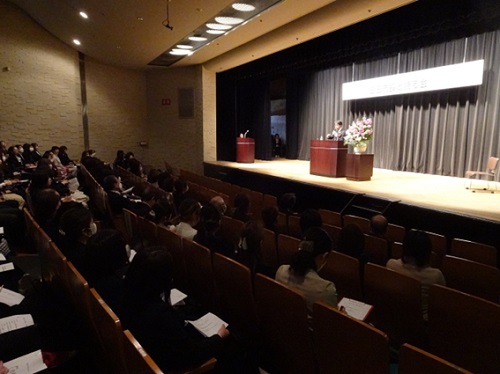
397 304
479 252
173 243
361 222
269 254
344 272
287 247
464 329
330 217
286 339
413 360
376 249
336 336
137 359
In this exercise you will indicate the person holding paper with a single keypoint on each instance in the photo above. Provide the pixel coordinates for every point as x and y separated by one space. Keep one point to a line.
154 322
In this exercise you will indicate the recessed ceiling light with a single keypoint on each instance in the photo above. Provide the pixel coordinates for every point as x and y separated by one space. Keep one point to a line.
243 7
218 26
197 38
216 32
140 18
184 46
229 20
76 41
84 15
180 52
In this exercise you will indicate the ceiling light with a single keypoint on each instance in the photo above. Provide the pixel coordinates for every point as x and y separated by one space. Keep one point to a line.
180 52
229 20
84 15
243 7
216 32
197 38
76 41
218 26
184 46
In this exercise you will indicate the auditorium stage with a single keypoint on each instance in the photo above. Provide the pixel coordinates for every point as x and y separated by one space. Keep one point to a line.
446 194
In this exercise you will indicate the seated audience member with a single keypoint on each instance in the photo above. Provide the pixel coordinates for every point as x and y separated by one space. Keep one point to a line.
148 314
136 168
309 218
45 211
286 203
241 208
28 154
106 261
76 226
301 275
153 176
270 219
166 182
417 250
63 156
189 213
118 201
14 161
322 244
180 192
165 211
35 153
207 234
249 249
119 160
219 204
378 225
128 156
352 242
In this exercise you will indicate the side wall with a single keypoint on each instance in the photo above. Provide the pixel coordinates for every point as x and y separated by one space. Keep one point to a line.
40 100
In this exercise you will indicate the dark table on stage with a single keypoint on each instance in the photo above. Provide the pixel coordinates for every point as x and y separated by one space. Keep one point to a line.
245 150
328 158
359 167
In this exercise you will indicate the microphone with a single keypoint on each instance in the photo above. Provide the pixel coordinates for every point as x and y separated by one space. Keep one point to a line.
245 134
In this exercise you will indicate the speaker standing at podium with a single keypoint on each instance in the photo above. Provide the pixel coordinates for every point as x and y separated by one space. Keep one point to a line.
338 132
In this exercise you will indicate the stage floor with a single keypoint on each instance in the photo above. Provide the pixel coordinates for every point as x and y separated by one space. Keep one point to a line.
425 190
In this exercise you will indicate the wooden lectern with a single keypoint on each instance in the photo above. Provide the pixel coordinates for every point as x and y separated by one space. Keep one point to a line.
245 150
328 158
359 167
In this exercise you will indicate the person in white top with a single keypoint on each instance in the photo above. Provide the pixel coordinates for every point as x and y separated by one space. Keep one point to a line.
417 249
189 212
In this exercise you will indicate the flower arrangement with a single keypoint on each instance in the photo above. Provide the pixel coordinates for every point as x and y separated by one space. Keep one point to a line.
359 133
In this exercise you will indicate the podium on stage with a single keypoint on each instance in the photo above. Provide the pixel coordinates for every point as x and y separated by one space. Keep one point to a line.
328 158
359 167
245 150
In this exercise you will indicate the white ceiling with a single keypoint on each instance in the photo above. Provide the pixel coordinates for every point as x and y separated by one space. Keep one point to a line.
114 33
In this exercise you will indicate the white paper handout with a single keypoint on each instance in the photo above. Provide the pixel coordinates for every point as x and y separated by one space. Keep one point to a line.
27 364
2 257
9 297
6 267
176 296
208 325
15 322
355 308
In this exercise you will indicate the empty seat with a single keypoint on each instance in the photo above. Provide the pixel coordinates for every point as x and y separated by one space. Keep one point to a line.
464 329
413 360
361 222
472 277
330 217
395 233
376 250
479 252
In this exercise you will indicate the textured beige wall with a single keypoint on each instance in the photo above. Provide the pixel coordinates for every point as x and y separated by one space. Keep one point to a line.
117 110
40 94
40 101
178 141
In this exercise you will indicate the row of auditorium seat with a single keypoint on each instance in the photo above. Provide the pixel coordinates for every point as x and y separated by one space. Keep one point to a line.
279 314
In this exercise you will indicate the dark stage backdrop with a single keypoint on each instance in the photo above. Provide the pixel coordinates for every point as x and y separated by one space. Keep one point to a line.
444 132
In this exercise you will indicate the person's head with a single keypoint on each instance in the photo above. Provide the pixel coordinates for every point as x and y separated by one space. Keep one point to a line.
46 205
55 150
40 179
3 145
150 196
287 202
13 150
322 242
136 167
63 149
310 218
276 136
417 248
106 253
251 237
85 154
35 146
378 225
149 274
210 218
111 183
76 224
120 155
303 259
219 204
27 148
351 240
129 156
270 217
153 175
338 125
189 211
166 182
180 186
242 202
20 148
